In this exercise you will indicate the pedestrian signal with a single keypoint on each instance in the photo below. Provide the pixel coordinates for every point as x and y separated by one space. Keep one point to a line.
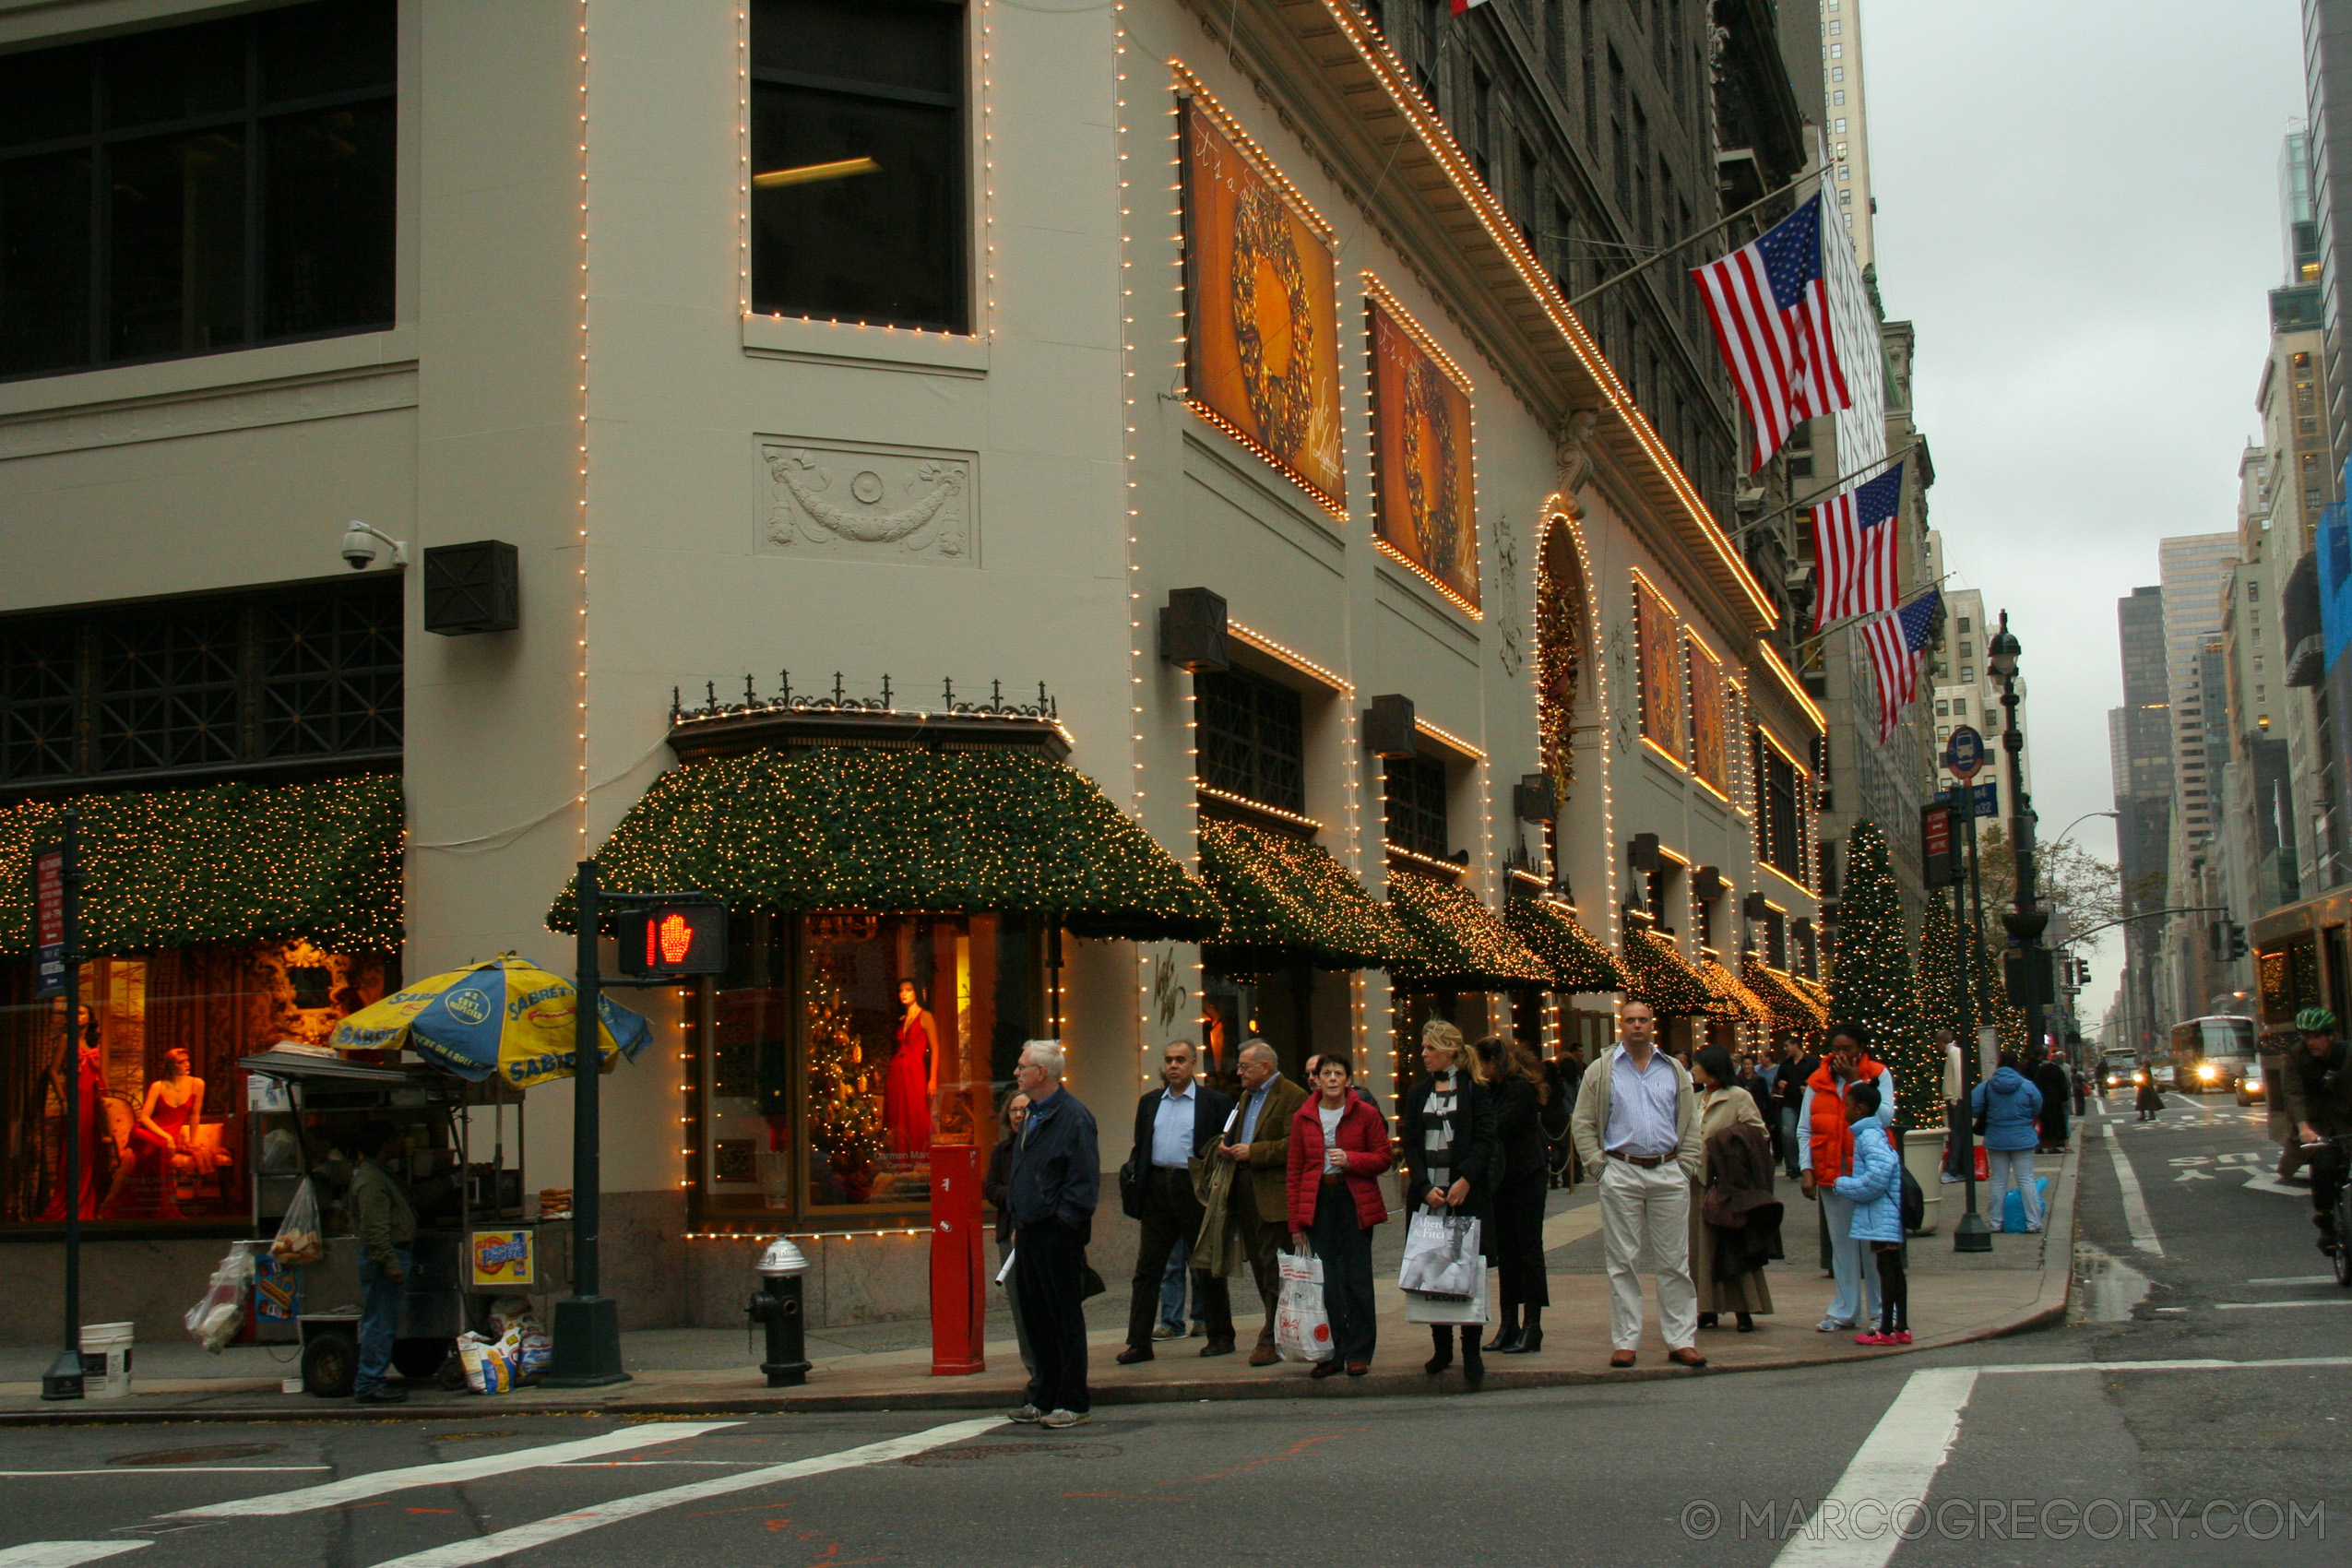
660 938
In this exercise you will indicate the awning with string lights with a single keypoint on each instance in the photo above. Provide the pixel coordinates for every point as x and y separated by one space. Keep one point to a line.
1733 1000
902 830
1656 973
243 863
1814 992
1460 944
1790 1006
1576 958
1288 902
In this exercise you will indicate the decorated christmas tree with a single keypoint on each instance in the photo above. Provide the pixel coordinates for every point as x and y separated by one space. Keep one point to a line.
1943 1000
845 1115
1871 981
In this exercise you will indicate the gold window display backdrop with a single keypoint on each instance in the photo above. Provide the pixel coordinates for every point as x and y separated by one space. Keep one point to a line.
164 1124
1661 669
1425 500
1707 720
840 1048
1260 305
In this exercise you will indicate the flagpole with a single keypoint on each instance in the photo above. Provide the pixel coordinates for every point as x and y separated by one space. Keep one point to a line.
1823 494
1695 235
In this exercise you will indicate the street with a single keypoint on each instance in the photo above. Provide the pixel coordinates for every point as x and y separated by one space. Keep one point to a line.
2192 1414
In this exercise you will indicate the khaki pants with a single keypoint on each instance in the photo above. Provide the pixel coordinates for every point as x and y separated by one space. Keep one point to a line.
1645 1224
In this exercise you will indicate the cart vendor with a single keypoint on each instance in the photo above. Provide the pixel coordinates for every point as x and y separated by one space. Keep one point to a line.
386 1227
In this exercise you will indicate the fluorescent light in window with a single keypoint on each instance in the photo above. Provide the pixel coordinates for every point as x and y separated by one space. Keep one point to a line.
810 173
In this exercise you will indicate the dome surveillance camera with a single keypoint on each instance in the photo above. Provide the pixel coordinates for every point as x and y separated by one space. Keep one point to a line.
358 547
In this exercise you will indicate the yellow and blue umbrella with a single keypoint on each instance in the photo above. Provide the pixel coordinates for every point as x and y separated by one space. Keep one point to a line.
507 1017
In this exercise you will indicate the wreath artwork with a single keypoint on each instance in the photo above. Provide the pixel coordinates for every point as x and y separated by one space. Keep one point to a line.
1263 244
1560 619
1437 529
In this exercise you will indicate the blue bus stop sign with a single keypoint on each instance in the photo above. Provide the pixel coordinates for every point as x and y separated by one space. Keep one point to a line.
1963 755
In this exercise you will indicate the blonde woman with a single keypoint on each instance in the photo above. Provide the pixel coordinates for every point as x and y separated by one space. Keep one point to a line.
1446 1125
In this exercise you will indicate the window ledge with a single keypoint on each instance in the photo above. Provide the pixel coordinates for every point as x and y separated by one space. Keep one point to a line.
202 375
854 343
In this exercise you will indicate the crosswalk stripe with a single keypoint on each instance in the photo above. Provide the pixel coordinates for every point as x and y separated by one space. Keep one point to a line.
1897 1464
522 1537
65 1553
331 1494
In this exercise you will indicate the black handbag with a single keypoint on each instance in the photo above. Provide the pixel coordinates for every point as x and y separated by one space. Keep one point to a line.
1130 1191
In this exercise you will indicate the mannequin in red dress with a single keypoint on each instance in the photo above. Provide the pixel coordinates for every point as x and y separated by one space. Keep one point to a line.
93 1120
164 1130
913 1074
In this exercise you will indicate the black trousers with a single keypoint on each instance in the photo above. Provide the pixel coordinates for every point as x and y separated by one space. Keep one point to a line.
1343 1244
2327 1166
1517 1247
1170 1215
1048 1271
1267 1237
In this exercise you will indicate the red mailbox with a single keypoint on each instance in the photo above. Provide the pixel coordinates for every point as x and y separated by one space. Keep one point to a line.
958 1266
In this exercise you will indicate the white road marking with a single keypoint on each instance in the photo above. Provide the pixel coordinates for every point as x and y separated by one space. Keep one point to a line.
171 1470
1895 1463
2184 1364
450 1472
2263 1181
522 1537
2277 1306
65 1553
2297 1279
2188 1175
2135 1206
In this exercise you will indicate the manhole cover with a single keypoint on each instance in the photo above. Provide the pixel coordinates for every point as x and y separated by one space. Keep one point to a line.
197 1455
1013 1450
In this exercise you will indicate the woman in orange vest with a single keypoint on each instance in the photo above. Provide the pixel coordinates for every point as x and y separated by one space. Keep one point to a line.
1828 1153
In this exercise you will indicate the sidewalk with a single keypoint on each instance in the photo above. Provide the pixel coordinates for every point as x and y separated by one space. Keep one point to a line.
2022 1284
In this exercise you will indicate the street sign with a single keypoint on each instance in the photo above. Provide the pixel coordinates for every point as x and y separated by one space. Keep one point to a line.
1941 866
49 920
1963 755
1987 797
663 938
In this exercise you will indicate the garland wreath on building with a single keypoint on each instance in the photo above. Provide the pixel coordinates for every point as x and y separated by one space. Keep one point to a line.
1282 403
1870 980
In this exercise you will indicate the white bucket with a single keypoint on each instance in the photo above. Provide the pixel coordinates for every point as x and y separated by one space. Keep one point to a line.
106 1360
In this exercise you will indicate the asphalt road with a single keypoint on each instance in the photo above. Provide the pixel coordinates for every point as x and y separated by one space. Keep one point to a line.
2089 1444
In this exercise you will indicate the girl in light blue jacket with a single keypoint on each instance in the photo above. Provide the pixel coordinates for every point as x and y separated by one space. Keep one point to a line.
1876 1187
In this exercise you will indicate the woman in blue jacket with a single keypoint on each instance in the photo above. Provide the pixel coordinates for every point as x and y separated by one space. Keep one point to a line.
2007 1106
1875 1186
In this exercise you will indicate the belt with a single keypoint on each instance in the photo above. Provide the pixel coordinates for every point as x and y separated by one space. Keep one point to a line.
1647 1162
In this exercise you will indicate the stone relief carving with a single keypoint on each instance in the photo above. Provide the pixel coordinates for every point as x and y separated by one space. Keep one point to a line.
1510 635
869 502
1627 684
1574 455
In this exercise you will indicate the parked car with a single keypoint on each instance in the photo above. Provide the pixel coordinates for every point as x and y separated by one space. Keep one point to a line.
2250 1086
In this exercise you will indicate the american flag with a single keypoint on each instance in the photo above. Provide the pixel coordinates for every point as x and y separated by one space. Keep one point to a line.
1895 639
1854 546
1462 5
1771 313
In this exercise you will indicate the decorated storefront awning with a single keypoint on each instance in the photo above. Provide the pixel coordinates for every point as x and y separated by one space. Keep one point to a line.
1733 1000
1458 942
1814 992
893 831
1656 973
1287 901
1790 1007
232 862
1576 958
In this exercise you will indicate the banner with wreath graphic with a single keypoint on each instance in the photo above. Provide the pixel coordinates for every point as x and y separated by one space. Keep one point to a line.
1262 330
1423 501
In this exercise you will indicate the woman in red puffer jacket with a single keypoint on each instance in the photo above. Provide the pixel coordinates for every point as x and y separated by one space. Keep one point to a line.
1339 1144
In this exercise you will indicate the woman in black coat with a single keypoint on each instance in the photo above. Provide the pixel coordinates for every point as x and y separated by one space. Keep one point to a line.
1445 1124
1511 1073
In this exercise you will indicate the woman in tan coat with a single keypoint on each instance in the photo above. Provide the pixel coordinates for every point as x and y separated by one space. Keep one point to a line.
1722 1104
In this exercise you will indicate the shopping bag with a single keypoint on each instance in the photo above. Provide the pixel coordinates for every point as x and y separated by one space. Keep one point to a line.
1441 1255
1301 1328
1984 1165
299 1238
1420 1307
215 1320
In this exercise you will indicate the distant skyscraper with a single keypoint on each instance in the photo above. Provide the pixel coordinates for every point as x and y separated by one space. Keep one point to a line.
1847 117
2327 85
2195 569
2141 759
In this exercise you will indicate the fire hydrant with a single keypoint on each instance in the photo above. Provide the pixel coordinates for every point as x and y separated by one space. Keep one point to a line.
778 1305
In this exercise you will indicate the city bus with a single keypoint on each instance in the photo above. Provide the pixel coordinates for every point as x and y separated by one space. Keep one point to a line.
2210 1054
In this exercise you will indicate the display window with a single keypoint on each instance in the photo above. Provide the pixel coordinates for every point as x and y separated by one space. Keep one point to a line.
840 1048
162 1128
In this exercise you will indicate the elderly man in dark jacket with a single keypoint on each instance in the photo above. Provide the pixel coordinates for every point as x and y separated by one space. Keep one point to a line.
1054 1183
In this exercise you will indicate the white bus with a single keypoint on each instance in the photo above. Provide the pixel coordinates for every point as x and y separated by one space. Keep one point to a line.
2209 1055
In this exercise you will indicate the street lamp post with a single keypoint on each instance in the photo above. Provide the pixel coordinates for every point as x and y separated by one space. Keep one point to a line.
2026 919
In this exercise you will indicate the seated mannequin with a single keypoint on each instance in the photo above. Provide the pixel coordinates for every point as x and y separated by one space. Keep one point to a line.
164 1137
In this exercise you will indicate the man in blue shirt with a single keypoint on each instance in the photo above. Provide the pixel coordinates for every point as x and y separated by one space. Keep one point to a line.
1636 1125
1174 1125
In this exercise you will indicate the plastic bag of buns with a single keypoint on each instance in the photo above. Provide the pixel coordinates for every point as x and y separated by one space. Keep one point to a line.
299 1240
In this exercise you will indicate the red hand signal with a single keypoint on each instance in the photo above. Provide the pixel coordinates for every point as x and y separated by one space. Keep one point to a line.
677 938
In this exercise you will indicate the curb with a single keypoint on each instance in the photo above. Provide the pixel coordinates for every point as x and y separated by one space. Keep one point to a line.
2049 1309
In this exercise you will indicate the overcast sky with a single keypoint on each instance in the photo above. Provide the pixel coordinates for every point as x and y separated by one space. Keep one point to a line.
2078 207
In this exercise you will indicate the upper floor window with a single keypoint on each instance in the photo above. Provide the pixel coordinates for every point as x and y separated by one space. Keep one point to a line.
1414 790
192 189
858 187
1251 739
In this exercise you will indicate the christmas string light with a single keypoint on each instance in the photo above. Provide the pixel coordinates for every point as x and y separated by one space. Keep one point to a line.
1461 945
1789 1005
1287 900
1870 976
1656 973
1386 304
1577 960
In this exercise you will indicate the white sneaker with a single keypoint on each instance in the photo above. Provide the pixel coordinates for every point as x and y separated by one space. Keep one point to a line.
1162 1331
1028 1414
1058 1419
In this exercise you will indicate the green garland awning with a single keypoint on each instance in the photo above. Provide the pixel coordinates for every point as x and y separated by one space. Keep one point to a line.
232 862
890 831
1790 1007
1287 901
1733 1000
1576 958
1656 973
1460 945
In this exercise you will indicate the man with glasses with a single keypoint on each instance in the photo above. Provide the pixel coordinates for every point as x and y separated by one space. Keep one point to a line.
1175 1124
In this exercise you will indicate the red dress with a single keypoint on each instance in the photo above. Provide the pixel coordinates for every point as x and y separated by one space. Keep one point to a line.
906 1089
93 1129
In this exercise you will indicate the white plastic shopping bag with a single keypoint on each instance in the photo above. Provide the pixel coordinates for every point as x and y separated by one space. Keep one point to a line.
1301 1328
1442 1256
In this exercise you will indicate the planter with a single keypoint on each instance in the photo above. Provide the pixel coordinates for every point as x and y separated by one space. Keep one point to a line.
1923 1158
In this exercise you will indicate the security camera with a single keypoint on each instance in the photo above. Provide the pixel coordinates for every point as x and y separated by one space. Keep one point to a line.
358 546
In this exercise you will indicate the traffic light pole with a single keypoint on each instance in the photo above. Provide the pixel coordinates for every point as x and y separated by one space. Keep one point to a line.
586 1353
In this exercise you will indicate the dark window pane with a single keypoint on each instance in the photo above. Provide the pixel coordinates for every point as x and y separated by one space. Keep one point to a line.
1249 738
37 699
1415 800
309 50
44 263
179 254
326 221
915 44
43 95
883 245
152 77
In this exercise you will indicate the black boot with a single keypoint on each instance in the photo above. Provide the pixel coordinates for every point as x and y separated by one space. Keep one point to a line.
1530 1331
1473 1364
1507 1333
1441 1336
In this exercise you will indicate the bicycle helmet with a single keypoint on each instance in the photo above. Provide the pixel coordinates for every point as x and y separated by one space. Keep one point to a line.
2315 1021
